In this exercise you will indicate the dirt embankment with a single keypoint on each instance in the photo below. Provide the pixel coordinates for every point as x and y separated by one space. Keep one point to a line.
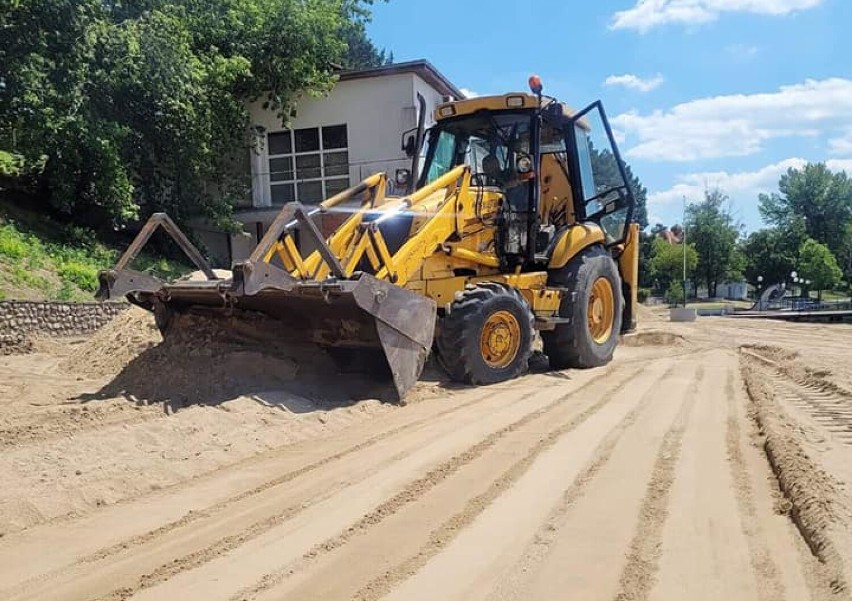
805 422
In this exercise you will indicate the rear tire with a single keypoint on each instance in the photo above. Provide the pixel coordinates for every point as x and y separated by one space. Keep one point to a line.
594 303
487 335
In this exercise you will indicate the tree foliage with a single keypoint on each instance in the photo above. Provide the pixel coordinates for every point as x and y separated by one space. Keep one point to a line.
361 52
667 263
135 106
816 199
714 232
675 294
772 255
817 264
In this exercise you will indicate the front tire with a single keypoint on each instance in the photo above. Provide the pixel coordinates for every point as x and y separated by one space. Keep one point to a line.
487 335
594 303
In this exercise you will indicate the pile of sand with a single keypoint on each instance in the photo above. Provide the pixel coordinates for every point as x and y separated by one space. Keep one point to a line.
645 314
209 359
651 338
115 345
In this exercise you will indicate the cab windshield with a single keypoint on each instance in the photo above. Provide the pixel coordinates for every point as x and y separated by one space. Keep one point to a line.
488 143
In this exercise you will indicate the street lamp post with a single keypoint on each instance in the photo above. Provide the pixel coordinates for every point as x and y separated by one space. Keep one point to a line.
795 278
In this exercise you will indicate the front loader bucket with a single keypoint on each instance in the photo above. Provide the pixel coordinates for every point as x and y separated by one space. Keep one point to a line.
349 314
357 312
364 313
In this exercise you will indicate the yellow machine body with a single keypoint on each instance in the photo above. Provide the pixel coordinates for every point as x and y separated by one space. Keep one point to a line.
361 288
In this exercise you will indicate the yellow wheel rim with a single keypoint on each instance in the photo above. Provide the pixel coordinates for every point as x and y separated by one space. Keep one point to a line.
500 340
601 310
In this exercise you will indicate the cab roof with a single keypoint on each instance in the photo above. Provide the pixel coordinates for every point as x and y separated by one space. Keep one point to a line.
510 101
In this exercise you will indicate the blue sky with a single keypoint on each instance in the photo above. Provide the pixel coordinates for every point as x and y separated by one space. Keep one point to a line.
726 93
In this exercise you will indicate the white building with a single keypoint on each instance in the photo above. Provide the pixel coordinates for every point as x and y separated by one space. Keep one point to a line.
334 142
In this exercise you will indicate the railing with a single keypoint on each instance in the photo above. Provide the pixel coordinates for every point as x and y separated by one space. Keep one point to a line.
798 303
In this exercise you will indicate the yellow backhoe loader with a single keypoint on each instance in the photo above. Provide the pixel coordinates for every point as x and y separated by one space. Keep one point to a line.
518 218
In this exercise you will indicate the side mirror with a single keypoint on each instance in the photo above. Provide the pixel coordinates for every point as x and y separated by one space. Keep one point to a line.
408 145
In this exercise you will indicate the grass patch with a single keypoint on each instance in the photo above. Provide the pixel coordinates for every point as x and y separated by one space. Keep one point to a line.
14 244
63 269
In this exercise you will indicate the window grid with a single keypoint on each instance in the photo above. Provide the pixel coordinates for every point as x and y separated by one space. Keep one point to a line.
293 187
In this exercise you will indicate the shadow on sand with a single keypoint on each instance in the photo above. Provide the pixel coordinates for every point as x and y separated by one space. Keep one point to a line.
305 380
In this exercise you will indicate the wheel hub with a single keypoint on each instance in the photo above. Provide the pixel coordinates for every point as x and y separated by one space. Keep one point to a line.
501 339
601 310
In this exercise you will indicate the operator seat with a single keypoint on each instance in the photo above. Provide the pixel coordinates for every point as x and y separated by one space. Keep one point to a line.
492 171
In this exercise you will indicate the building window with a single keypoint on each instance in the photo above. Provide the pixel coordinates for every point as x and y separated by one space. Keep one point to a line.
308 165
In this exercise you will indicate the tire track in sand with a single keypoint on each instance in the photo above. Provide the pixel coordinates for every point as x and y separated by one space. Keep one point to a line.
639 574
579 550
770 586
484 542
811 494
71 556
241 548
445 531
120 555
443 536
422 486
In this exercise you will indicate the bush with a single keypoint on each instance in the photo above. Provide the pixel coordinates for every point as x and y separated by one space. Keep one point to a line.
674 295
643 294
82 275
11 165
13 244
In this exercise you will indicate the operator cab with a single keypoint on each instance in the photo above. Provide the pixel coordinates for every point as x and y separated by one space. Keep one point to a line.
552 168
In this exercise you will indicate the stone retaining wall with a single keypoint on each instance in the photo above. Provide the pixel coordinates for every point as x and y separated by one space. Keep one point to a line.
19 320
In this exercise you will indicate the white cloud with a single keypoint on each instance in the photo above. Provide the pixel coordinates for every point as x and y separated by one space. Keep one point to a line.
841 144
738 185
468 92
840 165
739 124
634 82
647 14
743 183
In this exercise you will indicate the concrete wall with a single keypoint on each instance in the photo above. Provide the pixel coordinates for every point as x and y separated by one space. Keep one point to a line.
20 319
375 110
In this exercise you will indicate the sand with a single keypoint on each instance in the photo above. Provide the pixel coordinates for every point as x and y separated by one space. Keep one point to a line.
707 461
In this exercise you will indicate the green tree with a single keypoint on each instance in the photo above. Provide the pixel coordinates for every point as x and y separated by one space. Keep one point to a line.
771 254
675 293
607 176
667 263
818 199
135 106
361 52
817 264
713 231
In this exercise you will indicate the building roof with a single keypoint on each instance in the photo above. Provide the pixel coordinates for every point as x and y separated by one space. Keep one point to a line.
421 67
